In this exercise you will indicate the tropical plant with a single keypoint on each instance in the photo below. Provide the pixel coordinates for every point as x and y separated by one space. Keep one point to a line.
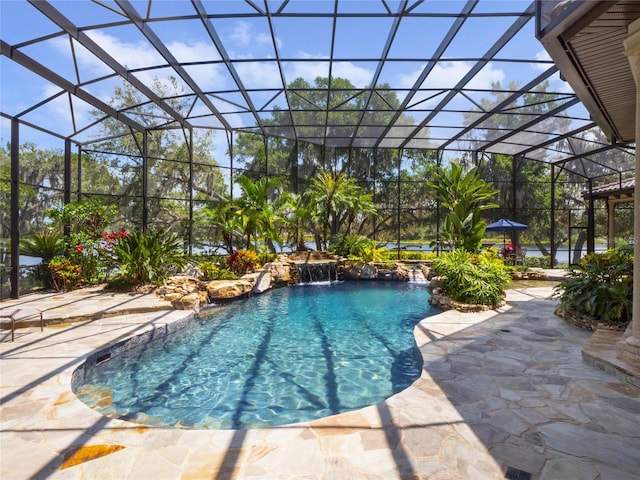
45 245
258 215
464 196
359 248
148 257
65 274
88 218
242 261
472 278
601 287
223 218
334 201
84 224
212 271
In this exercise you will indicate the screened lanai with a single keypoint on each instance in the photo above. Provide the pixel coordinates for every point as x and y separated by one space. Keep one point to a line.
158 107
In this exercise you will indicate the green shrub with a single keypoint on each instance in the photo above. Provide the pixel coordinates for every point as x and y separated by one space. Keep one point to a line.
411 255
148 257
600 287
472 278
266 257
45 245
212 271
539 262
357 249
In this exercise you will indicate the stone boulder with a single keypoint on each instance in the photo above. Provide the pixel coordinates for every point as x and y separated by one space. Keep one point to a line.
190 301
281 272
371 271
228 289
399 273
178 287
262 280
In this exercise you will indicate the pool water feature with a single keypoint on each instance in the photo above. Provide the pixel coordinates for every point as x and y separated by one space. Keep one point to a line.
289 355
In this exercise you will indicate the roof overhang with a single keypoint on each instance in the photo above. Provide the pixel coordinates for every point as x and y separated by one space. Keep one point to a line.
585 40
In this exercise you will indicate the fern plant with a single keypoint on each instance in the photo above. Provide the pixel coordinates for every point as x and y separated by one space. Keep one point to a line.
472 278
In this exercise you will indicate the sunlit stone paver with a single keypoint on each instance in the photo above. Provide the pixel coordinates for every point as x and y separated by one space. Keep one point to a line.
500 389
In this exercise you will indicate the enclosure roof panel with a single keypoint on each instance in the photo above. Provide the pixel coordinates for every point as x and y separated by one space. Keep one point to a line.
460 75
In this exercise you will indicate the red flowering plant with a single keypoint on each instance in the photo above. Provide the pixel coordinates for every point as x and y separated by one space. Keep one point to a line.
85 221
106 249
242 261
110 239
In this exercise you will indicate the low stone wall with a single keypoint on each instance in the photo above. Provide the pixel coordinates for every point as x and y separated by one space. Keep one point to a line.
587 322
189 293
529 275
186 292
371 271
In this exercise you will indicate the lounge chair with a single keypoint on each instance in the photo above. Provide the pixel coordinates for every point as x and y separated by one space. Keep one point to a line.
21 314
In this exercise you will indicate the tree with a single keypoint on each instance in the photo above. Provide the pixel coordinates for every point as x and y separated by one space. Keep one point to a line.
524 185
258 215
225 221
170 172
333 202
464 196
40 188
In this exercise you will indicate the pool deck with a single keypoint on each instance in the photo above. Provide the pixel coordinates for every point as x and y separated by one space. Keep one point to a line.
503 393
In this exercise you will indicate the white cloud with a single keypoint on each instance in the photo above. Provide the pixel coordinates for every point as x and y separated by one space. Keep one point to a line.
542 56
193 51
241 33
141 55
448 74
259 75
131 55
265 39
358 76
556 84
309 71
58 108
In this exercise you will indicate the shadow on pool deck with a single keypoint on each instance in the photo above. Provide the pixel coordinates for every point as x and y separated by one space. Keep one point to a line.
501 391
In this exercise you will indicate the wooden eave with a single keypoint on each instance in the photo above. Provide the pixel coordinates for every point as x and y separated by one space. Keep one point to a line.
587 46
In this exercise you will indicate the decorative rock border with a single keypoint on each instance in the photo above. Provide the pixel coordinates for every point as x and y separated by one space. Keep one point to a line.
587 322
438 299
186 292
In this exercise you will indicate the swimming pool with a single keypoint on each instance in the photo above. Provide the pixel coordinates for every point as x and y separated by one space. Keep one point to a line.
288 355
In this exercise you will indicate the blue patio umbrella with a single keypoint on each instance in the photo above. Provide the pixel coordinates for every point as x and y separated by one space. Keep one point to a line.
503 225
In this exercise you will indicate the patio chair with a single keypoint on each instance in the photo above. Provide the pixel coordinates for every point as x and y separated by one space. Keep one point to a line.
21 314
518 258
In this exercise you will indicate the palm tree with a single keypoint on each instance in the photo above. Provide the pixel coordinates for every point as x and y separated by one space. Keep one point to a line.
258 215
224 218
464 196
335 200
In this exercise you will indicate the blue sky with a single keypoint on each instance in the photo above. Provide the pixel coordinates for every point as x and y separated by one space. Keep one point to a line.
304 48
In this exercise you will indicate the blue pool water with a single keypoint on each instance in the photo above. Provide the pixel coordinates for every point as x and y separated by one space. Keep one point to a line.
289 355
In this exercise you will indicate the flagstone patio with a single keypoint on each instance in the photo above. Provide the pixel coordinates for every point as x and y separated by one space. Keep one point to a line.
503 394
